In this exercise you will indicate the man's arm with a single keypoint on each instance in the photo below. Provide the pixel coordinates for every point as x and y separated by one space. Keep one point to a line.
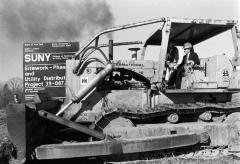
197 61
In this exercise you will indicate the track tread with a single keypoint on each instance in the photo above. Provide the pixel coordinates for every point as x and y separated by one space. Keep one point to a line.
189 108
167 109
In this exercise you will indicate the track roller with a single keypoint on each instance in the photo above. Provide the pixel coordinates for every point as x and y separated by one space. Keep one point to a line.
173 118
205 116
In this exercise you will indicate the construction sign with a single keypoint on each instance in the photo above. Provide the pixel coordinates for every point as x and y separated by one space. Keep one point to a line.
44 66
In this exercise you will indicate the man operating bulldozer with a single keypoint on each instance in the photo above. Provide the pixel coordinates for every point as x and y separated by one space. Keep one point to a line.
189 62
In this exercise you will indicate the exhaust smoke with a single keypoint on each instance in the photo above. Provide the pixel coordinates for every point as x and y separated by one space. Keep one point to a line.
44 20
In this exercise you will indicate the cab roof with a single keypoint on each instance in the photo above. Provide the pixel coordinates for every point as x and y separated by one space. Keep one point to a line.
191 30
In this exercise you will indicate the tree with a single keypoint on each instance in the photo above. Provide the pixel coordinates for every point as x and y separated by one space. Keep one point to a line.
14 86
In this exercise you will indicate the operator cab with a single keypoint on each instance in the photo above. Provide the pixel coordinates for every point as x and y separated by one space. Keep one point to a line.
213 72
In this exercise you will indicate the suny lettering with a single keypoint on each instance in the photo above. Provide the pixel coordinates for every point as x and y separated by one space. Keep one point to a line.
37 57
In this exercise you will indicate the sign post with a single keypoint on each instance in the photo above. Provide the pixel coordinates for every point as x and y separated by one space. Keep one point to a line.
44 66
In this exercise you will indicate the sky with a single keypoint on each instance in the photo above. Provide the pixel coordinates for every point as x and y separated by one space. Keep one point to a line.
77 20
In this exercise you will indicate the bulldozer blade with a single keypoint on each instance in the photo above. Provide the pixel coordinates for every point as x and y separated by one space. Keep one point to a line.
106 147
16 125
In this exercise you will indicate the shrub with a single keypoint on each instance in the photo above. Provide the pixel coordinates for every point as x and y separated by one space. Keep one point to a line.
7 151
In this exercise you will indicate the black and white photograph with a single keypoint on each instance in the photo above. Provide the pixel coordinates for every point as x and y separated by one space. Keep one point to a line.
119 81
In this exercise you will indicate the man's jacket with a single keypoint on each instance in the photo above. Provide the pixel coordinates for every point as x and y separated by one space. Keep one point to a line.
192 56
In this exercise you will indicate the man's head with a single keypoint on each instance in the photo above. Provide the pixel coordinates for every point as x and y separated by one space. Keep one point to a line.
187 47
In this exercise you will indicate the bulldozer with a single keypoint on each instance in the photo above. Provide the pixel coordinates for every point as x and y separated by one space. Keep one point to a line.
125 106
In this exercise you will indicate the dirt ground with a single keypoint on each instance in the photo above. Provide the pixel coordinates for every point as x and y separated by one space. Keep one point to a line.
229 159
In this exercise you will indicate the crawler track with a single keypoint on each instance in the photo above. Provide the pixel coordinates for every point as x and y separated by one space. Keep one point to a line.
164 110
